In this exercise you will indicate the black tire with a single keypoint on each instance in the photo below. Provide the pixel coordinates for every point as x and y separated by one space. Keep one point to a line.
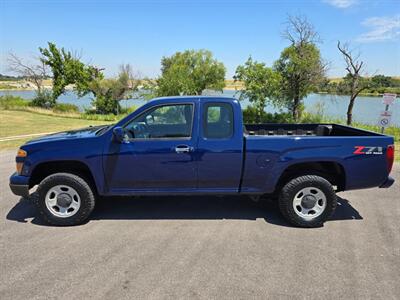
87 199
295 185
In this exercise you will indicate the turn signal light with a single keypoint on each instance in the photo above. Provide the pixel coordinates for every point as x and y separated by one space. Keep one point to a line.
21 154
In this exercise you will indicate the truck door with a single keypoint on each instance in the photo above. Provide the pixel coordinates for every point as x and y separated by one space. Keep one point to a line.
220 146
158 155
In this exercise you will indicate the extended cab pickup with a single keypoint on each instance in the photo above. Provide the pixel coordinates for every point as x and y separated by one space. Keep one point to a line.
199 145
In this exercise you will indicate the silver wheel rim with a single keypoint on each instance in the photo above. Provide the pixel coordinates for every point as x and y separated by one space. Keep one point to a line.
309 203
63 201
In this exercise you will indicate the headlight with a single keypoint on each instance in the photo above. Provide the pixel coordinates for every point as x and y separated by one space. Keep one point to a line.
21 155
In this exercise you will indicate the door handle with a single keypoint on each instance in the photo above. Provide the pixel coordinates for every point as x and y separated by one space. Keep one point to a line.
183 149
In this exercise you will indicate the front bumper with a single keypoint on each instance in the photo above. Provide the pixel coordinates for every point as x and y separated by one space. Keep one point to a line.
19 185
388 183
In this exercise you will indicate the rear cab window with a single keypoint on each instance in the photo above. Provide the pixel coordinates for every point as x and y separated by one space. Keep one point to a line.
217 120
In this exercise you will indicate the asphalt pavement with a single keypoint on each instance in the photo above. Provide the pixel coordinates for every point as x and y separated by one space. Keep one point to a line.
201 248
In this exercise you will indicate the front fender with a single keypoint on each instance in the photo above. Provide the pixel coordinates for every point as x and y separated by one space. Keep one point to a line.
85 151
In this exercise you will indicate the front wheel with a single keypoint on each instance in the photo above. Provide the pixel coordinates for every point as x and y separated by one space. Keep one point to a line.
307 201
64 199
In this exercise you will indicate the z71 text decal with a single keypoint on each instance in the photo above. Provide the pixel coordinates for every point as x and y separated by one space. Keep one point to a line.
368 150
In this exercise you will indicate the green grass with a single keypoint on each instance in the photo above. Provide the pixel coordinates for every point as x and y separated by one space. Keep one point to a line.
71 115
14 123
19 117
11 102
15 103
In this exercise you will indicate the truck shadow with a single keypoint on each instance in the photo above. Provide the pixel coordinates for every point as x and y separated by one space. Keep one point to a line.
182 208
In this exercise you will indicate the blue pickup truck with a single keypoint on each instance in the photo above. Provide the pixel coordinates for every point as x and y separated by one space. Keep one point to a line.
199 145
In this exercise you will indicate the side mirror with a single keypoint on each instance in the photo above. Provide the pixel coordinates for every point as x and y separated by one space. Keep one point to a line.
119 134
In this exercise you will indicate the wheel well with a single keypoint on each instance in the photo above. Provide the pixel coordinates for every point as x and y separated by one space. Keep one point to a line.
331 171
78 168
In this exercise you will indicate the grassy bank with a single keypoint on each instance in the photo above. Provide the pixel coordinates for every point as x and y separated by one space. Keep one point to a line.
15 103
15 123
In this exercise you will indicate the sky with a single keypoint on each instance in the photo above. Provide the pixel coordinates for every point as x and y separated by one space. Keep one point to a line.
109 33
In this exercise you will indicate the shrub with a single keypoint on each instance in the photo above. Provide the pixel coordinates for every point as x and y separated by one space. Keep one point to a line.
43 99
250 116
128 110
65 108
97 117
10 102
311 118
106 105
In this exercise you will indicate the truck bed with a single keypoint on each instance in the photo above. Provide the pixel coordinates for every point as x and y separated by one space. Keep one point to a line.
272 148
304 130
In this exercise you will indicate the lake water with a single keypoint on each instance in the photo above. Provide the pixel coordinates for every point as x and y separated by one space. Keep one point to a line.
366 109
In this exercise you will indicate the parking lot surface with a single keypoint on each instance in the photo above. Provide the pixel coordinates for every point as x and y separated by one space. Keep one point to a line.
201 248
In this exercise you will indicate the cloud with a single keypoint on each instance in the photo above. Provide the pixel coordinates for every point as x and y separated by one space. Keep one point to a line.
382 29
341 3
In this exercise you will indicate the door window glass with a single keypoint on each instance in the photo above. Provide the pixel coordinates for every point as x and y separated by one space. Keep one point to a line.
167 121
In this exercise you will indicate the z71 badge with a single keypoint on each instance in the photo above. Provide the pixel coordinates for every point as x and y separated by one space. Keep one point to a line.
368 150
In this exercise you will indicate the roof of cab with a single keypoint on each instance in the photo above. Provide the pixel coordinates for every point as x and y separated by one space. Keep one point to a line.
186 98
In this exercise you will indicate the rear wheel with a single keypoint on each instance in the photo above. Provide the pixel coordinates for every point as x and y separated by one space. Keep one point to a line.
307 201
64 199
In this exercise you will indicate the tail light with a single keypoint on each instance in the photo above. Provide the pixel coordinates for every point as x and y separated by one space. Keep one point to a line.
390 157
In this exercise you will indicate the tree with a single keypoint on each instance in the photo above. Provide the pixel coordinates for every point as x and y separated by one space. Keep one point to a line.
381 81
353 80
189 73
33 72
108 92
261 84
300 65
68 69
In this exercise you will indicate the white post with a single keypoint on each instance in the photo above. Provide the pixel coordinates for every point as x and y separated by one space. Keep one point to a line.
386 109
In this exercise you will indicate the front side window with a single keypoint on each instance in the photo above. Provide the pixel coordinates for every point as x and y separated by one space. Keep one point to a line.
218 120
167 121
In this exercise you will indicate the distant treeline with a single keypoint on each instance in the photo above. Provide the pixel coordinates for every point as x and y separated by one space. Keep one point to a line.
16 78
377 84
10 78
